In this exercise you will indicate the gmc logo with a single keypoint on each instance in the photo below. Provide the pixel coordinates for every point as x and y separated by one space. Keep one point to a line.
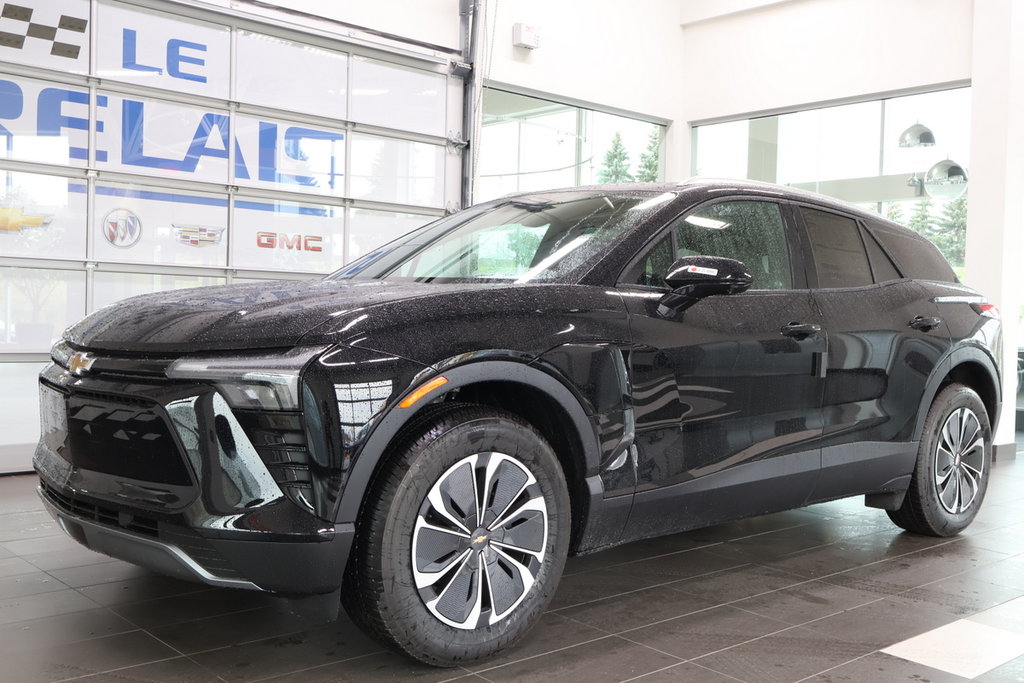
274 240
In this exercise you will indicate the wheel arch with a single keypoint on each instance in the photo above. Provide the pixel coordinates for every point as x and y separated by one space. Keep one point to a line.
537 397
972 367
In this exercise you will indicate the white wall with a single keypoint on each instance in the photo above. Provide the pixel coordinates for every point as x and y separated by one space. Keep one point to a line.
793 54
607 53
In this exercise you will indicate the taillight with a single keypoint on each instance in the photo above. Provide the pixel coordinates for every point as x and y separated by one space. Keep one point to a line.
987 310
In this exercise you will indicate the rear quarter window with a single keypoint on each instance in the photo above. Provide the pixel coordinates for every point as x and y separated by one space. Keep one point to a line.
915 256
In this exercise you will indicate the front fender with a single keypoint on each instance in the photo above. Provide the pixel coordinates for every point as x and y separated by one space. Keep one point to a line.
388 425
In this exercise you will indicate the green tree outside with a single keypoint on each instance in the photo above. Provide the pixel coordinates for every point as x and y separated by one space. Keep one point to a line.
616 164
648 172
950 232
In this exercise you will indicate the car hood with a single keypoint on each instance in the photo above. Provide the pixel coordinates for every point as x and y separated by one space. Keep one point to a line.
232 317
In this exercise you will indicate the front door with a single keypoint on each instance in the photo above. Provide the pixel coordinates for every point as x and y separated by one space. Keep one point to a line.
728 392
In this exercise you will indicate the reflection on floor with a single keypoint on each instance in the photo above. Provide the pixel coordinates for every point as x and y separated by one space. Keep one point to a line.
828 593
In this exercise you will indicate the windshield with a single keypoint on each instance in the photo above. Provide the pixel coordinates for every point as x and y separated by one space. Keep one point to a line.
522 239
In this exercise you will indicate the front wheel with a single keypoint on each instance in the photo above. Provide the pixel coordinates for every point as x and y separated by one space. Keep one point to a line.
463 538
953 463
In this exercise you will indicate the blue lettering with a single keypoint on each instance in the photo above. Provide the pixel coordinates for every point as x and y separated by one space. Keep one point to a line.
133 135
241 170
12 103
175 59
50 120
268 152
199 148
128 54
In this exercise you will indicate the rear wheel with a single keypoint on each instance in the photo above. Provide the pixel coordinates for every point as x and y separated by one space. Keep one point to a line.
463 538
953 463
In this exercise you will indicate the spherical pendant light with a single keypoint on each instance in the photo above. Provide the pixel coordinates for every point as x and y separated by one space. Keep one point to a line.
946 180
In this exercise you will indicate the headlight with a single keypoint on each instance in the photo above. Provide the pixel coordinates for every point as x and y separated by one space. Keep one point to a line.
268 381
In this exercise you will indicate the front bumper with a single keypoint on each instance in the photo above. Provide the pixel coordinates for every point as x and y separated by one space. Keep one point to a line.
290 568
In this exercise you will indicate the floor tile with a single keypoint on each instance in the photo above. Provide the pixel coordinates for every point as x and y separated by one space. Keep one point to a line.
233 628
698 634
688 672
289 653
380 666
608 659
739 583
60 630
102 572
41 605
806 602
881 667
965 648
962 595
211 602
1009 616
783 657
881 623
553 632
178 669
85 657
637 609
140 589
28 584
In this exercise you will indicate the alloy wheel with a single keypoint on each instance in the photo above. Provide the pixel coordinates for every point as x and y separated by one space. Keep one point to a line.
479 540
959 460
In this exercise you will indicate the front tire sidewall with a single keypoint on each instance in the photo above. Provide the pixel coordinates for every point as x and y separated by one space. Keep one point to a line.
423 635
939 520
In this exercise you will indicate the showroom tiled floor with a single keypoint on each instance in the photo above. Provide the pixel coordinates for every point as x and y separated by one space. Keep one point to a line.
828 593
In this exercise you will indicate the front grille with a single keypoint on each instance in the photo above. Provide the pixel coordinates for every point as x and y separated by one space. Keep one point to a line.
100 514
191 543
127 437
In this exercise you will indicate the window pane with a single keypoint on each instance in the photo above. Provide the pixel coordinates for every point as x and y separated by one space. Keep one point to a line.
141 135
111 287
289 156
19 404
398 97
388 170
274 72
722 150
37 306
529 143
751 232
838 252
882 267
287 236
830 143
45 122
163 50
41 215
140 224
653 267
371 229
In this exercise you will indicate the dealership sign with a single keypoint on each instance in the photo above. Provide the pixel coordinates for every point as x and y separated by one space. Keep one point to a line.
42 122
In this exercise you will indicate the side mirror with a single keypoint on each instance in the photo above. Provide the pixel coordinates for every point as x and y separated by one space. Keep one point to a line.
700 276
694 277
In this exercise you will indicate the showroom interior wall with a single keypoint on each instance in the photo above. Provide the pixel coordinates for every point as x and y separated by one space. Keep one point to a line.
159 144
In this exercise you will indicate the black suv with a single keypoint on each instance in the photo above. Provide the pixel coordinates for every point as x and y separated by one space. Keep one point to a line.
428 432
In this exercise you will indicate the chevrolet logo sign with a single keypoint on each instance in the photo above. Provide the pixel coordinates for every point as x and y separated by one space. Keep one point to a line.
12 219
80 363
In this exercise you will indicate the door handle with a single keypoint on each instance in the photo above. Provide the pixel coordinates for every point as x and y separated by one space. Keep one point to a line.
801 330
925 323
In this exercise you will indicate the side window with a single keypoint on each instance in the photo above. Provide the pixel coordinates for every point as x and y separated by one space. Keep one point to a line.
753 232
652 268
839 255
881 265
918 258
750 231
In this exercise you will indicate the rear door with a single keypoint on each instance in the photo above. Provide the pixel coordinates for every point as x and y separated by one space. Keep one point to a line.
885 338
727 393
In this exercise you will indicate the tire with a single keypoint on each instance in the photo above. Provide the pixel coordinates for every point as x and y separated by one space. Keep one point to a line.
426 576
953 463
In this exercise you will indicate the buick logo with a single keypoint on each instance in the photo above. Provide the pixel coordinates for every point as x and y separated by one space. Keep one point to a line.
80 363
122 228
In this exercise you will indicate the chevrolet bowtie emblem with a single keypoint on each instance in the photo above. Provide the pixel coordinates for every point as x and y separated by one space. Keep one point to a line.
479 539
80 363
12 219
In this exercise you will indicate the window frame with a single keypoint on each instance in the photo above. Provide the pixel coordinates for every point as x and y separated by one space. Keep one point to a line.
862 230
795 243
